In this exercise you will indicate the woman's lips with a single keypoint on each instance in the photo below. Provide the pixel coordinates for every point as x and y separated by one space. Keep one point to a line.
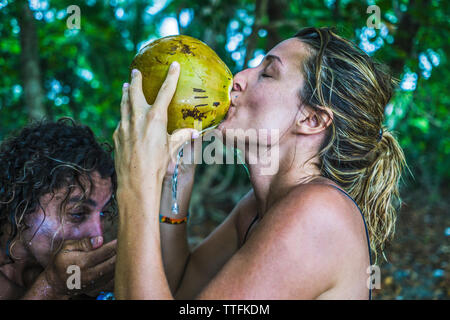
231 112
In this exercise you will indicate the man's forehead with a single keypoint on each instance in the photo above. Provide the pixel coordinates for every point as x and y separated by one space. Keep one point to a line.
97 186
70 193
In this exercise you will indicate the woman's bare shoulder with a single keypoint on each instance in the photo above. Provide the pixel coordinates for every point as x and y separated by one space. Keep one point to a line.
322 208
320 195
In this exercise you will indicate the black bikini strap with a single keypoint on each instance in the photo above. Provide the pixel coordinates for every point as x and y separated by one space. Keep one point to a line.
253 221
365 227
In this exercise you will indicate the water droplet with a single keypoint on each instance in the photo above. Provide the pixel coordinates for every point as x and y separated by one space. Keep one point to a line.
175 182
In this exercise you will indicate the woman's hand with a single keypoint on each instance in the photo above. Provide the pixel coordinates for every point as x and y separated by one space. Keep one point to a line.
143 146
186 166
143 152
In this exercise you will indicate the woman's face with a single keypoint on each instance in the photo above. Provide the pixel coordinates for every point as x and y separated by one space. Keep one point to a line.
267 96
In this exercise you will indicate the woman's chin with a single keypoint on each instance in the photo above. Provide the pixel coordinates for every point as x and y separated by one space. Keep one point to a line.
229 124
225 124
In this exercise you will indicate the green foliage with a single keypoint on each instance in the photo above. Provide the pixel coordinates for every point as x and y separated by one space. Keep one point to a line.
83 70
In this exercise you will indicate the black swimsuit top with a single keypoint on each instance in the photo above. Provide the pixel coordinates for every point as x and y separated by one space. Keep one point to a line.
365 227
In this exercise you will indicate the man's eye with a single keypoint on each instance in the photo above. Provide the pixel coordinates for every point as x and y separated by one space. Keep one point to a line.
77 216
265 75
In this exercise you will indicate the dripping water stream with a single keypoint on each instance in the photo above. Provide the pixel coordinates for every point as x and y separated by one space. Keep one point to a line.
175 182
175 208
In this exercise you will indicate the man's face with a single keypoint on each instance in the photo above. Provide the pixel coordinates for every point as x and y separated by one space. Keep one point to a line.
54 223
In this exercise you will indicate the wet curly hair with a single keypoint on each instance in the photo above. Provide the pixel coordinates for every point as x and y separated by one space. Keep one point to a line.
41 159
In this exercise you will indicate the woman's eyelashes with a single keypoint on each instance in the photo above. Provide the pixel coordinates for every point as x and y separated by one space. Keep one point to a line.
265 75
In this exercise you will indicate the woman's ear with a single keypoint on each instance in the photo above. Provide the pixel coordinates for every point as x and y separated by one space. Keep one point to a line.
313 120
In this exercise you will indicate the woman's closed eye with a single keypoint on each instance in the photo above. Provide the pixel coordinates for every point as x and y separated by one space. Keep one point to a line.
265 75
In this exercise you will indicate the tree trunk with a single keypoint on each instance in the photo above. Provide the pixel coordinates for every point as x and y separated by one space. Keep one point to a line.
275 11
138 26
260 12
268 15
30 67
406 33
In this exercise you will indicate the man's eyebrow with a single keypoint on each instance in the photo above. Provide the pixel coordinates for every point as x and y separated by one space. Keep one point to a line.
86 201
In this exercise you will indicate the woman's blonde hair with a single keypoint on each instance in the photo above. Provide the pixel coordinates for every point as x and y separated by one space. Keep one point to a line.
358 153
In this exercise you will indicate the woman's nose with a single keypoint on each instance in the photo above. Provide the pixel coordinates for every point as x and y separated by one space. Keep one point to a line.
237 86
239 81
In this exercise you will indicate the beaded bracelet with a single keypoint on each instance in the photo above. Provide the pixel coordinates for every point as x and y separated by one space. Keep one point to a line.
106 296
173 220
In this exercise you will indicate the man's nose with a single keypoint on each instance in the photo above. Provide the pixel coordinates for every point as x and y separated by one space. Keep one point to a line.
94 227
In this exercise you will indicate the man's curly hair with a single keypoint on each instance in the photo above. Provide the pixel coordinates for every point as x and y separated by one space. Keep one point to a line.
41 159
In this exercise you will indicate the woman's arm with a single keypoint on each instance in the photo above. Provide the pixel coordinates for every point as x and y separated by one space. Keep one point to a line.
212 253
143 151
174 243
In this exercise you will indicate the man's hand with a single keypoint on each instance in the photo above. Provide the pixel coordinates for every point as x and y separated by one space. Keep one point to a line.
96 263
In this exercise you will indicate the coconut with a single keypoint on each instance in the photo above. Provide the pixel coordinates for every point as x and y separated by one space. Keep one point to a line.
202 97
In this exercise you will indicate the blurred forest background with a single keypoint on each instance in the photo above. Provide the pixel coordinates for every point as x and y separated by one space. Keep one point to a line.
49 70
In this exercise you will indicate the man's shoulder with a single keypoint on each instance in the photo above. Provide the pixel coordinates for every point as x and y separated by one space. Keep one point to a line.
8 289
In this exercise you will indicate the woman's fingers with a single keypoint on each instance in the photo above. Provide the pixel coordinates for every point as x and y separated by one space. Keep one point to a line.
178 138
136 96
124 122
167 90
125 105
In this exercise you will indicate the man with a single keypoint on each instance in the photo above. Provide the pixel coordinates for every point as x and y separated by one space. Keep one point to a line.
56 186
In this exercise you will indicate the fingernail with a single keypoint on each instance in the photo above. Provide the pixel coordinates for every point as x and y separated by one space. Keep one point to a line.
134 72
195 134
125 85
95 241
174 65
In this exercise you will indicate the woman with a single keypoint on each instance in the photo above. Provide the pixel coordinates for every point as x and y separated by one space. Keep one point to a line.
297 234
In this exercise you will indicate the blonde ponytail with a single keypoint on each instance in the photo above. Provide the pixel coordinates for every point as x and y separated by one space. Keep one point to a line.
377 190
340 76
